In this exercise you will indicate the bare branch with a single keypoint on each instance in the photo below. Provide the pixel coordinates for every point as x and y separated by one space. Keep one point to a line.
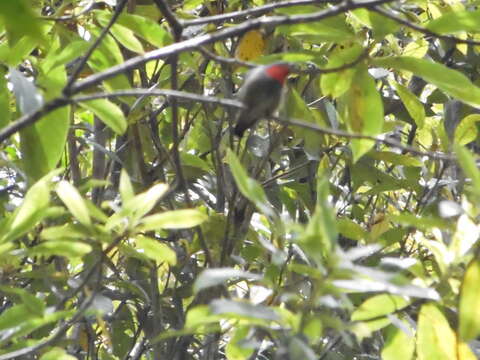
422 29
96 43
257 11
193 43
160 92
380 139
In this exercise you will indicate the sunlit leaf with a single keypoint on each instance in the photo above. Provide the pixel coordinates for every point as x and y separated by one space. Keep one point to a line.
469 308
73 201
435 338
109 113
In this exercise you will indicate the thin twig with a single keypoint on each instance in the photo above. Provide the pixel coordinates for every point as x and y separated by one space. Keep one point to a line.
256 11
422 29
193 43
96 43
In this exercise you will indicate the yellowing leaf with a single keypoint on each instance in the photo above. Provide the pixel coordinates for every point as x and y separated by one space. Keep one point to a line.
469 309
250 46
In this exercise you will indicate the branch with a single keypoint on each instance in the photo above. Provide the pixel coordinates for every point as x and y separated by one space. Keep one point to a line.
177 28
167 93
31 118
422 29
257 11
96 43
193 43
380 139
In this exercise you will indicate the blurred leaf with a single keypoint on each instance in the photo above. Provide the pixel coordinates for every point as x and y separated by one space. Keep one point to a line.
175 219
469 307
466 131
142 26
455 21
125 187
334 29
363 111
320 235
242 310
5 115
67 248
214 277
378 306
337 83
351 229
57 353
237 348
469 167
73 201
32 209
435 338
396 159
156 250
398 344
32 303
249 188
20 20
452 82
380 25
412 104
109 113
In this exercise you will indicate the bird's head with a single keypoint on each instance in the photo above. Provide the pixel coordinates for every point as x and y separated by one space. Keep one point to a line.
279 71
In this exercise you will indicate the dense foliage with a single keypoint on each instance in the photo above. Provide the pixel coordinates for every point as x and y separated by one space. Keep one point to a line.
134 225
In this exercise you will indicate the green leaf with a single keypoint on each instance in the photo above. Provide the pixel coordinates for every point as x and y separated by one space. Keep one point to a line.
67 248
452 82
33 208
156 250
351 229
469 167
32 303
175 219
144 27
214 277
412 104
380 25
469 308
466 131
334 29
320 235
236 348
363 111
74 202
396 159
57 353
398 344
5 115
456 21
378 306
337 83
109 113
125 187
435 338
249 188
20 20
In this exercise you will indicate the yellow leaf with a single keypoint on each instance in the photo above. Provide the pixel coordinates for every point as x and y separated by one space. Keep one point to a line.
250 46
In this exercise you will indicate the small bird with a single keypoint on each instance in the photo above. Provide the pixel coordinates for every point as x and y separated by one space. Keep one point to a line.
260 93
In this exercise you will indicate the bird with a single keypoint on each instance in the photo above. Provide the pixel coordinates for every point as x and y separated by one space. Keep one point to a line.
260 94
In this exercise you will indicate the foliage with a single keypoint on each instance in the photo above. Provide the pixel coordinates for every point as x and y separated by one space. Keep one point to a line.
134 226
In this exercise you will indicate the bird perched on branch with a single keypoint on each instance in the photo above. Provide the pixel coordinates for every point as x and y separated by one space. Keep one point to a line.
260 93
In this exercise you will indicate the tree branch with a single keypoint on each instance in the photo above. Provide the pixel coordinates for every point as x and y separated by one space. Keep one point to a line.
191 44
96 43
